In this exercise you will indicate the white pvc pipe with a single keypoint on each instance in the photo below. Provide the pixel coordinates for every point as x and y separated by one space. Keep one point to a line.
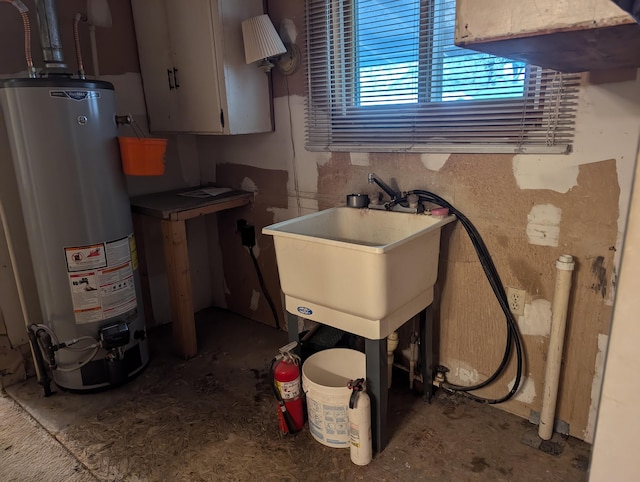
564 267
16 276
392 344
98 15
14 266
94 51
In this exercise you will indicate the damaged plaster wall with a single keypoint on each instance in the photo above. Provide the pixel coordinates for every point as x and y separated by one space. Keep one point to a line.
583 220
529 209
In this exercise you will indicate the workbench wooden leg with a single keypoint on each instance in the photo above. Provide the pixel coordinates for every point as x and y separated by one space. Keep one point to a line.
426 344
377 377
138 231
174 235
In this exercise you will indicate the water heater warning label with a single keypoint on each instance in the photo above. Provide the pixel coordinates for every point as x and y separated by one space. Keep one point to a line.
86 257
106 289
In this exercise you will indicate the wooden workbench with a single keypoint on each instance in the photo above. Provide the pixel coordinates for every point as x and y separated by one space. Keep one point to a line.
173 209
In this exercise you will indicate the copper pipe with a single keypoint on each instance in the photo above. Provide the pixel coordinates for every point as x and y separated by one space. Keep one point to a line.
77 18
27 33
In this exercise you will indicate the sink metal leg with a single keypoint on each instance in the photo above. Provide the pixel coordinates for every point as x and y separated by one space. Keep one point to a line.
377 376
426 345
292 327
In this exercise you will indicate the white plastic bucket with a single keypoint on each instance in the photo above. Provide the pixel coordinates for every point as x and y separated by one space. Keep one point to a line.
324 380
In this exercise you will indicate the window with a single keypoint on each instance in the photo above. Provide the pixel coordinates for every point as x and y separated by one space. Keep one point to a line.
384 75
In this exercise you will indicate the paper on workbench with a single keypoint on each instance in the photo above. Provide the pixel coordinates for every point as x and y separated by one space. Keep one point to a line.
206 192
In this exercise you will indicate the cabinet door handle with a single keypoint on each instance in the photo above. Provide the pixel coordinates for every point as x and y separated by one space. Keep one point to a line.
175 77
171 87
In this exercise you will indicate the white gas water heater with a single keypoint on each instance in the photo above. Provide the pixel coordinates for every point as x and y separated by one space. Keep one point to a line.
62 133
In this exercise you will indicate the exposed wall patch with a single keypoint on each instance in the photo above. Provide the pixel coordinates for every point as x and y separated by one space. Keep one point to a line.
359 158
434 162
255 299
543 228
544 173
526 391
537 318
307 206
280 214
247 184
596 387
464 373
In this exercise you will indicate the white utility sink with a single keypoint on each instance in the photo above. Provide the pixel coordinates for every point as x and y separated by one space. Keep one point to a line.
363 271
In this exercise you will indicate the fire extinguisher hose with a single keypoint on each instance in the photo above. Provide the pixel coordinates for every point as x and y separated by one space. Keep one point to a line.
291 427
357 386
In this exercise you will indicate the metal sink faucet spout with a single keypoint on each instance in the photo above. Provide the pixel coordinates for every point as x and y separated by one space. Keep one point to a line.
373 178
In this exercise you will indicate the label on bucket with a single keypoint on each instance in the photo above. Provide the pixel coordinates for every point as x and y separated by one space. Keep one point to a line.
329 423
305 311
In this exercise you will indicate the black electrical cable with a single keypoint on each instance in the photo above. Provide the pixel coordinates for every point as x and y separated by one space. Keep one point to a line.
263 287
513 336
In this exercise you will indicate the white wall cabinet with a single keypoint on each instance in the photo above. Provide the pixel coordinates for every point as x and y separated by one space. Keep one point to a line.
193 68
565 36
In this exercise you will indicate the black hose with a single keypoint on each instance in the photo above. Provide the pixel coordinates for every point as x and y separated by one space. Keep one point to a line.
513 336
263 287
291 426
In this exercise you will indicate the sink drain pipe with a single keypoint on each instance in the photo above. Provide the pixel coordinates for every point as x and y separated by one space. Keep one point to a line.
564 267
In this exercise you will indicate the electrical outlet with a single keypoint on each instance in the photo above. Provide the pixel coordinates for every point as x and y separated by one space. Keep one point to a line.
516 300
248 235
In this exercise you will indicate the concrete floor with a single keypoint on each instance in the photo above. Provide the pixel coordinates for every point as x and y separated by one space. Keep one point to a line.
214 418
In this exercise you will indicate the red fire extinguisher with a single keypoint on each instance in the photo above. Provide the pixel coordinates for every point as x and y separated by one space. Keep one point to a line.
285 373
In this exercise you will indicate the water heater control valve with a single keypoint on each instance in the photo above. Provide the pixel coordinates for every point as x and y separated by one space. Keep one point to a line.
114 335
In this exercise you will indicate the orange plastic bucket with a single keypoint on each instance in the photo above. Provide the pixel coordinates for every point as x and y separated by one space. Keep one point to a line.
142 157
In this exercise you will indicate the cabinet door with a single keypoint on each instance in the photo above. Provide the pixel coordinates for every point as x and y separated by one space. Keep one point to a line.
156 64
192 43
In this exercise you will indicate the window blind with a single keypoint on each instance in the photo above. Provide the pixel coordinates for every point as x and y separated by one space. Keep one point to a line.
384 75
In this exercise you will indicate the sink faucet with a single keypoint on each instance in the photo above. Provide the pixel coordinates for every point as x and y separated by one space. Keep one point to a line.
373 178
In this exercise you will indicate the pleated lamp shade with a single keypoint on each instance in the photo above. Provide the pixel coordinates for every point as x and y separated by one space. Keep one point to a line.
261 41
